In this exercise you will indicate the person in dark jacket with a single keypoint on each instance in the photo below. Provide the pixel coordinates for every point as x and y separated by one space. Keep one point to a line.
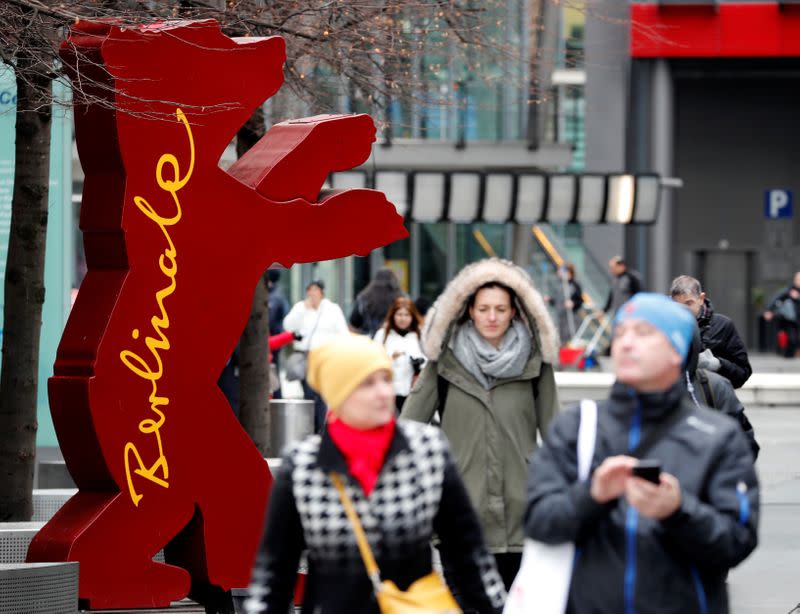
625 283
723 351
373 302
645 547
711 390
278 306
278 303
229 380
786 307
569 301
404 486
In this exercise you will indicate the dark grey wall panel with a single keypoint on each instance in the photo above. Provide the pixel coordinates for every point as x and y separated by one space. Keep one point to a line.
737 135
736 138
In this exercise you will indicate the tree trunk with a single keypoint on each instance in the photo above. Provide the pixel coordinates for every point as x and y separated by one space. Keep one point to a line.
253 352
24 292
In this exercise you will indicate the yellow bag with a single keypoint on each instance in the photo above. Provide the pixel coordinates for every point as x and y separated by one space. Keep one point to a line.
428 595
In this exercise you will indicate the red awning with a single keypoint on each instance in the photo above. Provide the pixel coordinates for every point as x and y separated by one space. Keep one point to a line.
708 30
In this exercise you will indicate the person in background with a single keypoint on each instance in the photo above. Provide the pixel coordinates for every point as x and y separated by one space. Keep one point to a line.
785 307
723 350
491 346
278 304
372 303
422 304
400 336
317 320
278 307
568 301
711 390
625 283
648 546
228 380
404 486
274 344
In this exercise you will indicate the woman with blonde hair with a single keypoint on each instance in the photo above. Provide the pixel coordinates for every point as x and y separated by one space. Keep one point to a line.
404 487
400 336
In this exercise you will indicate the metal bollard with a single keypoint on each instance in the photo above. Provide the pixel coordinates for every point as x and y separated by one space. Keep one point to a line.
290 420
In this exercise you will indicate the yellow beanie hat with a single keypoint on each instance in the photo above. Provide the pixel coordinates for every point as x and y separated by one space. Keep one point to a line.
337 368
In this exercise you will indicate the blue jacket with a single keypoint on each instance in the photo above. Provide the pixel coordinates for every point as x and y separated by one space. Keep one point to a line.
626 563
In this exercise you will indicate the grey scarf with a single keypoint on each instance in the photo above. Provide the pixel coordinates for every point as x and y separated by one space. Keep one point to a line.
488 363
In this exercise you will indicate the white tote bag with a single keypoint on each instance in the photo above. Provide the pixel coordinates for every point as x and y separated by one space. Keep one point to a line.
542 583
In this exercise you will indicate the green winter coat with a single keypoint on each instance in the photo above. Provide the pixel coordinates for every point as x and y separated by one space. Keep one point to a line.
492 433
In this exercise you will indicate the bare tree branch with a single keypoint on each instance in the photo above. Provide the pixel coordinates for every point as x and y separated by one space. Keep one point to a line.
382 50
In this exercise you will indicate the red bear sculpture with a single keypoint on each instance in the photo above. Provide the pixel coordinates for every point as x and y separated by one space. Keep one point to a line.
174 246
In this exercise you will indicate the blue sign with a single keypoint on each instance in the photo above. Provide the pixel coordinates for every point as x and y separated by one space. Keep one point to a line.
777 204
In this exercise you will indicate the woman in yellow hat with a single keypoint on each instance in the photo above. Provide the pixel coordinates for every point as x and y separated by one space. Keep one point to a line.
403 485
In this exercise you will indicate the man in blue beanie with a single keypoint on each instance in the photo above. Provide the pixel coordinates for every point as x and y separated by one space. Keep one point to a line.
658 539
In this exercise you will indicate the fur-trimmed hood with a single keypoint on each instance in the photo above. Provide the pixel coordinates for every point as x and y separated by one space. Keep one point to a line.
451 303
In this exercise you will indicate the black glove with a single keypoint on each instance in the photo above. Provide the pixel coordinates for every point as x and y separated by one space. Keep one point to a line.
416 363
297 336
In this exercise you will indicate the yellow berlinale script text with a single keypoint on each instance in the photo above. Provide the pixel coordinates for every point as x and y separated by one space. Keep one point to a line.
151 367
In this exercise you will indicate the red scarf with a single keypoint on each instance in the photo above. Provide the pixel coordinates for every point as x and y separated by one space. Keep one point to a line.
364 451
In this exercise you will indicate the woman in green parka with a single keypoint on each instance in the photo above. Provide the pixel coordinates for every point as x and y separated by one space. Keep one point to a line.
491 346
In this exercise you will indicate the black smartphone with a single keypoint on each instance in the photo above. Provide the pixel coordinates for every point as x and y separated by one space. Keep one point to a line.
649 470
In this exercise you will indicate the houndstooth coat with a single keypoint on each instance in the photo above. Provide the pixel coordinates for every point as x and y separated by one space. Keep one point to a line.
418 494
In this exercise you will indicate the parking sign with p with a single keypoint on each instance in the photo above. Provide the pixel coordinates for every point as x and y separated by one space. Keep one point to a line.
777 204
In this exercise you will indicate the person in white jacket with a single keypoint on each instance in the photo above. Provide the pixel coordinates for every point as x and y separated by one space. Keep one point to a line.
317 320
400 336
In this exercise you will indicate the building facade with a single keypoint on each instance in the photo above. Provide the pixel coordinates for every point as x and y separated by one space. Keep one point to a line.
455 156
705 92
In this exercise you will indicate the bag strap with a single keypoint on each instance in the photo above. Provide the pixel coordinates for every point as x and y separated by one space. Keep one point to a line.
587 436
363 545
659 431
313 330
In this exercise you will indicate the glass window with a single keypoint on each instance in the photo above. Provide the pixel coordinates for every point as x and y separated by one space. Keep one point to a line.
397 257
571 37
432 260
573 112
473 93
361 273
478 241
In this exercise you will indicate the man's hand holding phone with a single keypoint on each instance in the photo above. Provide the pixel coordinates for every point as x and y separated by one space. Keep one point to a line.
653 493
649 470
608 480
